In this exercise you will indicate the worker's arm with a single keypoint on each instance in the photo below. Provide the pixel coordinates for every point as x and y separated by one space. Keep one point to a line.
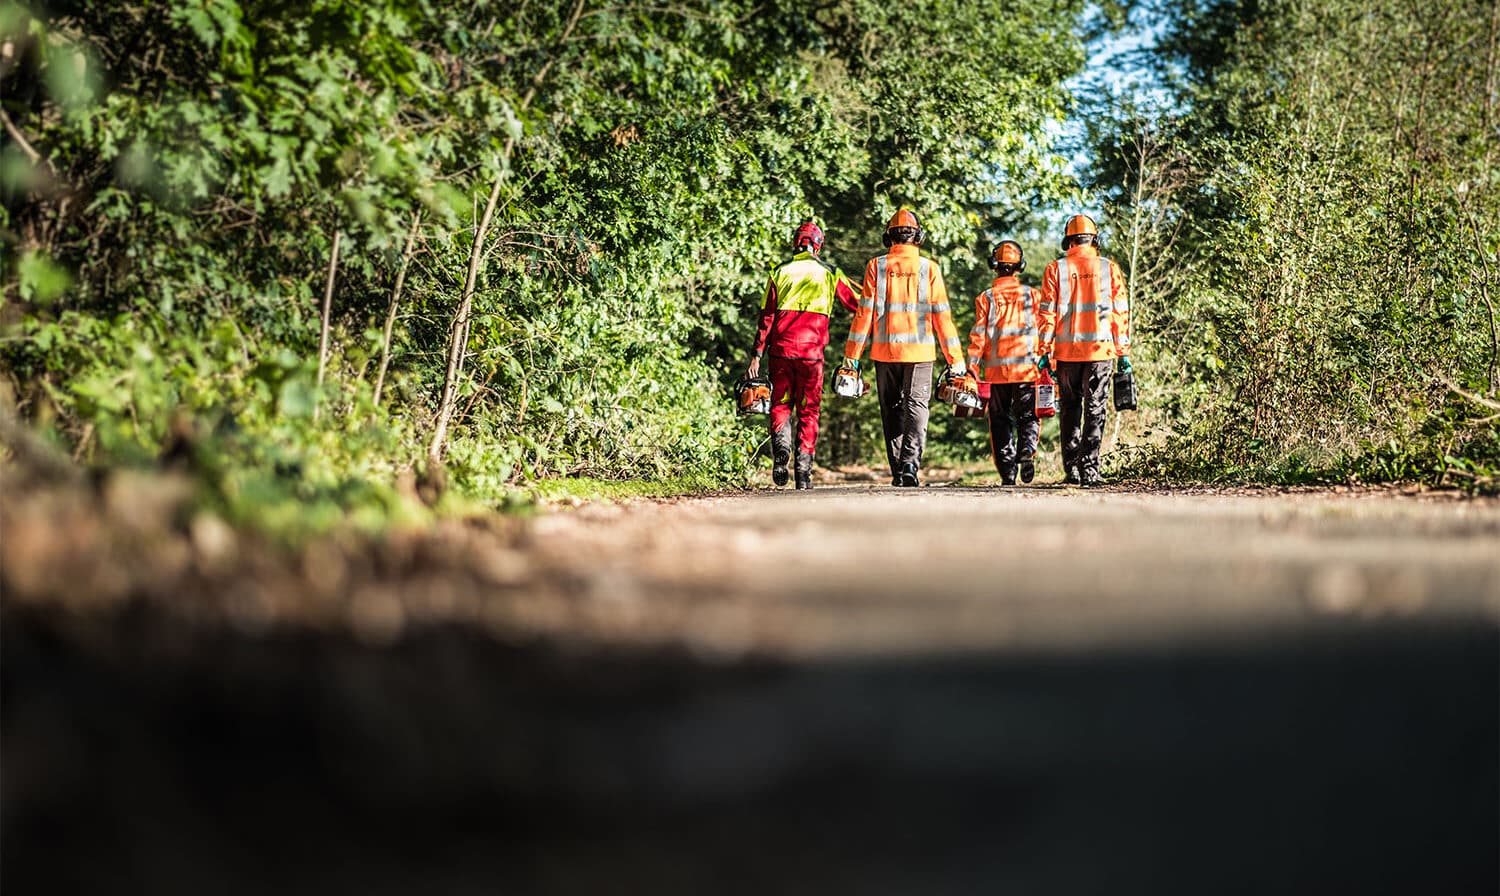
763 335
1046 315
942 322
1119 315
846 292
1046 322
977 335
864 317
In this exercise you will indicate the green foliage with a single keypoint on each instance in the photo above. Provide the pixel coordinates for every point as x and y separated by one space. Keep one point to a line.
168 227
1310 225
38 280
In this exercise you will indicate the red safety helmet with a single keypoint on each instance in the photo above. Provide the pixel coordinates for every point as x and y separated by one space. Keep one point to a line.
807 236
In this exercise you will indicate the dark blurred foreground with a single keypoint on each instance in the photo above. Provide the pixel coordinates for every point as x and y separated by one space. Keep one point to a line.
143 757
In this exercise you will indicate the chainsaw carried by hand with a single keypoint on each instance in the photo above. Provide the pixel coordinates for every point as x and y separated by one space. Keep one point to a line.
959 390
753 396
847 383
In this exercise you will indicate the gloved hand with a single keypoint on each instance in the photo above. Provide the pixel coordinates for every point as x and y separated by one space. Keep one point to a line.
851 363
957 369
1044 362
1125 364
754 368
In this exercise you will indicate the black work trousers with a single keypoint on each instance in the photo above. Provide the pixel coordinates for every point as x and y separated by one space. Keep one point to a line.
1083 397
1013 425
905 393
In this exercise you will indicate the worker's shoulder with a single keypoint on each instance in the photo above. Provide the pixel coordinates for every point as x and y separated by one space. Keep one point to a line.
809 264
791 267
828 266
902 260
1108 265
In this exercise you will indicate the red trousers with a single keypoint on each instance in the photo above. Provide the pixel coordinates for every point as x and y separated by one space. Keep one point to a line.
796 383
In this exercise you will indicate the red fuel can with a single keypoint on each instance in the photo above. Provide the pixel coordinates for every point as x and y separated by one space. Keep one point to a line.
1046 395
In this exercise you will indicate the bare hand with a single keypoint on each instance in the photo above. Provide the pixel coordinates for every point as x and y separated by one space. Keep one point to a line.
754 369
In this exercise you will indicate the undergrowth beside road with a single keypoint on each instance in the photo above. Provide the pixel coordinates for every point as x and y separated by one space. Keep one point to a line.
1181 463
568 490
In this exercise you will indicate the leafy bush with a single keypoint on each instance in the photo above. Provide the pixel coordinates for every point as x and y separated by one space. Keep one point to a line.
197 177
1307 216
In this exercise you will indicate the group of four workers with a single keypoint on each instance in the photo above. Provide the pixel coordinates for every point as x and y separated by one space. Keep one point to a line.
1078 321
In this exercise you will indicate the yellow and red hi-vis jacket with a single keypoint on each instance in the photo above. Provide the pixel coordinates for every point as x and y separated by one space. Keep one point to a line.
904 304
799 301
1003 343
1091 308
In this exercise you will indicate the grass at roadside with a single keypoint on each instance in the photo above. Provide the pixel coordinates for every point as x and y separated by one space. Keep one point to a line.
569 490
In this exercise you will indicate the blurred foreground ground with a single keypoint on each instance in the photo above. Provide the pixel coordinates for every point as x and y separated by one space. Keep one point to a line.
857 689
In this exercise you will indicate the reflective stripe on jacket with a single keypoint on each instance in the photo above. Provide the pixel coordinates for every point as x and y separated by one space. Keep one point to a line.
1091 308
904 306
1003 343
799 300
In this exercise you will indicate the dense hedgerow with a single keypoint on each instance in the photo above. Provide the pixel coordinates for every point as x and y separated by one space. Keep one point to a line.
187 168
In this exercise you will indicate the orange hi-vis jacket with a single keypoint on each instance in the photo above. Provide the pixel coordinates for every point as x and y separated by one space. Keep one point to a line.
1003 343
904 304
1085 296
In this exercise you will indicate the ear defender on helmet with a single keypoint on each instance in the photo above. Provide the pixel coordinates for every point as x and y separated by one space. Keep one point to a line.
1007 258
807 235
1080 226
905 218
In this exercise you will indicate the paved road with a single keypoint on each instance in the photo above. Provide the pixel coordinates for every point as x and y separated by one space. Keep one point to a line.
857 690
862 569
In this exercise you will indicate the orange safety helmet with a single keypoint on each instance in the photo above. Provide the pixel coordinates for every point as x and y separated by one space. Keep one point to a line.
1008 254
903 218
1080 225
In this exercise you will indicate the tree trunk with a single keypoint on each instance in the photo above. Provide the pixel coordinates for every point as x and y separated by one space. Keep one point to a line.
390 315
459 333
333 272
459 330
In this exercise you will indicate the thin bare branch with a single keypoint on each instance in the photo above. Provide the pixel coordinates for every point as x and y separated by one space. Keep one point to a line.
25 145
333 271
1464 393
390 315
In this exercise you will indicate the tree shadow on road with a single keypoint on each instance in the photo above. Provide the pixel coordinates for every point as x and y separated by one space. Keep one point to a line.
141 756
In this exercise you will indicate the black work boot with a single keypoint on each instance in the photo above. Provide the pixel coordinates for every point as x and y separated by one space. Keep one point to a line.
1028 470
909 475
778 467
1091 477
1073 478
804 470
1008 476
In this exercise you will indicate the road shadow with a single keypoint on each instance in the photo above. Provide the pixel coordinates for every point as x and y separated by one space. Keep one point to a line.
144 756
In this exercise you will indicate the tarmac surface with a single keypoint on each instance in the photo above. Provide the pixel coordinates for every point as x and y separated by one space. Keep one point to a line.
856 689
871 569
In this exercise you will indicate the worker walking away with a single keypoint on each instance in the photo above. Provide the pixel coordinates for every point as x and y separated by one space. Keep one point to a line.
1085 296
1003 352
903 308
794 326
